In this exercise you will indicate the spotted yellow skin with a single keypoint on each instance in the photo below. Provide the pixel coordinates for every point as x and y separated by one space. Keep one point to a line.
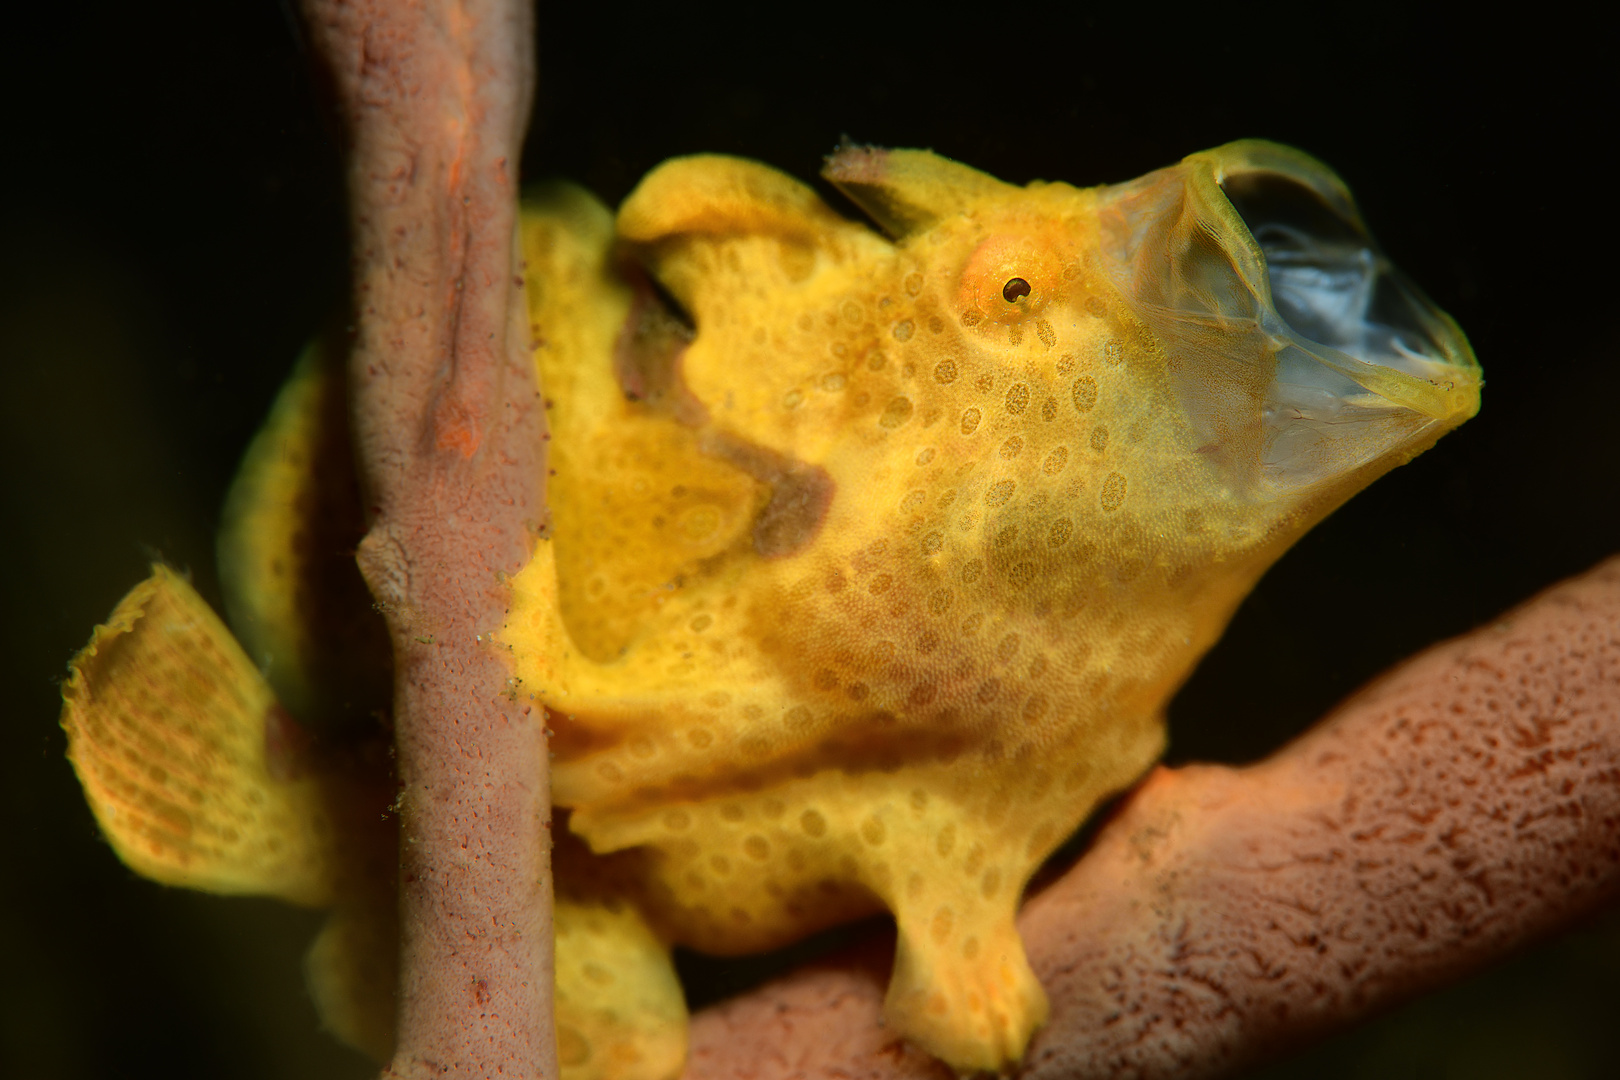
864 597
859 593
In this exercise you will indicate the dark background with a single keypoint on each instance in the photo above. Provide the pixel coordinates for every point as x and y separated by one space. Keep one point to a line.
171 230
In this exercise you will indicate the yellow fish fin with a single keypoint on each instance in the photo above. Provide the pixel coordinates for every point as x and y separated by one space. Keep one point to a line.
288 533
720 196
620 1011
907 191
352 970
192 768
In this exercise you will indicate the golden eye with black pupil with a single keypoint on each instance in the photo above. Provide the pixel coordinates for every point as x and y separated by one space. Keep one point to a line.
1015 288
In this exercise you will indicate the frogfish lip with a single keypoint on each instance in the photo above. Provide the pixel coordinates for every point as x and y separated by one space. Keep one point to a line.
1295 344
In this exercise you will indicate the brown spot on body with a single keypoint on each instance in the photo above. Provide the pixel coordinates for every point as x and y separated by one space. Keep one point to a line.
800 494
648 351
897 412
999 492
1113 492
1085 393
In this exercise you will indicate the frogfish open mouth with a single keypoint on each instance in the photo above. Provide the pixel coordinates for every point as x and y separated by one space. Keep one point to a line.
874 560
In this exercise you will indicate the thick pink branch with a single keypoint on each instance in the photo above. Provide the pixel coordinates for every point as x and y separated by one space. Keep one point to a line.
1461 806
435 96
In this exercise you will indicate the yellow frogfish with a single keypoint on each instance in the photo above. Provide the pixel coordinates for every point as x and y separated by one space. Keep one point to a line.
874 560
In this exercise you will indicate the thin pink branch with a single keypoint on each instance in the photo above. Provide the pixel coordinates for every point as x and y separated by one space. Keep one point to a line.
1463 805
435 97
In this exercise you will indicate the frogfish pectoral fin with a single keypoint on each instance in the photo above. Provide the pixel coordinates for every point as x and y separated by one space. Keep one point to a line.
975 1006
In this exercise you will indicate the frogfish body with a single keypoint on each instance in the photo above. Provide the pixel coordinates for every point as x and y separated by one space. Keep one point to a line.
874 559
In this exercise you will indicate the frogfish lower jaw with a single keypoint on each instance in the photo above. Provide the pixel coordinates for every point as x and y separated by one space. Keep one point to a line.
1302 356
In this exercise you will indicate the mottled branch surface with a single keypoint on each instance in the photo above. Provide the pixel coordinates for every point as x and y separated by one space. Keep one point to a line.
1459 807
434 95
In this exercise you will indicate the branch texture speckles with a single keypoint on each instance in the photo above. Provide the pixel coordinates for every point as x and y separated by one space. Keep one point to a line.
435 100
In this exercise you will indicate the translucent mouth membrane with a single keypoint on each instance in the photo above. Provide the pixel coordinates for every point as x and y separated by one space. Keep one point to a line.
1330 285
1253 267
1341 315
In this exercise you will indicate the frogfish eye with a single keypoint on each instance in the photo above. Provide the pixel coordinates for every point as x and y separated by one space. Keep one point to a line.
1014 289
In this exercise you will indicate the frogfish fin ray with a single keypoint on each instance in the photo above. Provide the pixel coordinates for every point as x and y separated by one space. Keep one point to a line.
906 191
193 770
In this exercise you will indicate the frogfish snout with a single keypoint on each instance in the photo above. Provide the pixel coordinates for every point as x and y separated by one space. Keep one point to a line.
1300 350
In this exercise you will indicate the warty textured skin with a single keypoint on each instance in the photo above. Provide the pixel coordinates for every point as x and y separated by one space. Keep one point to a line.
871 565
1461 806
867 586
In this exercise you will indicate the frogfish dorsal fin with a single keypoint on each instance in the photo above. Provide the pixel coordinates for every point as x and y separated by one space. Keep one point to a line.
906 191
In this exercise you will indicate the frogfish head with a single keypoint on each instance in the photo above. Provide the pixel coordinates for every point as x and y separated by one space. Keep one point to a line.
1238 355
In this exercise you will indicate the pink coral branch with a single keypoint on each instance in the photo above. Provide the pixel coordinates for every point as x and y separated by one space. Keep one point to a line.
1461 806
435 97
